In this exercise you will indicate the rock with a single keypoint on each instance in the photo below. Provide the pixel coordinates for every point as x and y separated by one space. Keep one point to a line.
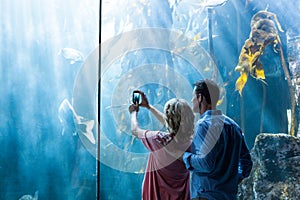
276 169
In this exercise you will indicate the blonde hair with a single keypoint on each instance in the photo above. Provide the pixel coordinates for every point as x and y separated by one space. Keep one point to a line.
179 118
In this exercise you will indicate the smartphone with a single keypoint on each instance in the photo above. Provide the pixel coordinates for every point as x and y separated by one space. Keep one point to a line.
136 98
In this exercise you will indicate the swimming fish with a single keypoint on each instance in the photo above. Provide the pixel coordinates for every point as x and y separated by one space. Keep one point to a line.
71 54
214 3
30 197
263 32
74 123
66 117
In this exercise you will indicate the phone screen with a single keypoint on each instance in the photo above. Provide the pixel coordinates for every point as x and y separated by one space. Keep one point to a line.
136 98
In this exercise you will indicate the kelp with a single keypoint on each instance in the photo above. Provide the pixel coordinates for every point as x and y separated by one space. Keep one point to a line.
264 31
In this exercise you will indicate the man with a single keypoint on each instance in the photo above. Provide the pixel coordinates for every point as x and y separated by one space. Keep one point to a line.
220 158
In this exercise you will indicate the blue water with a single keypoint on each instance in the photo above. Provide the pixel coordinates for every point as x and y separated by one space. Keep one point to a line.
138 57
51 84
44 44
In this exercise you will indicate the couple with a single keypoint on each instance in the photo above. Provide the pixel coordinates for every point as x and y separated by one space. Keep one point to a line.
214 150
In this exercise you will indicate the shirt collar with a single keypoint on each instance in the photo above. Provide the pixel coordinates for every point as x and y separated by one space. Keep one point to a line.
211 112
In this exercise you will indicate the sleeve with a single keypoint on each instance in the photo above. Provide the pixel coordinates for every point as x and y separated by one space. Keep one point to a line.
245 162
198 161
154 140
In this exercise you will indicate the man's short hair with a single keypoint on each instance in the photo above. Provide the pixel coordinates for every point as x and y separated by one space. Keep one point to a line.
209 89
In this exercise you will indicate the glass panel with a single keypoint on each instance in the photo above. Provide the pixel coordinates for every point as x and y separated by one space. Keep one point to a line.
162 48
53 91
156 48
45 44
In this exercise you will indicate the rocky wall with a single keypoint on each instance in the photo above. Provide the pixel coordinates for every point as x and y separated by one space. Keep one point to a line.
276 169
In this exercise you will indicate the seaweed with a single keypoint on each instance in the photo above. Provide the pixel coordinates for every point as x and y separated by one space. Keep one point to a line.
264 32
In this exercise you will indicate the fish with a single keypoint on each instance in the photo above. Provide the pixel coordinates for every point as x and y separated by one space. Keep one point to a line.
66 118
264 31
206 38
214 3
220 101
30 197
71 54
74 123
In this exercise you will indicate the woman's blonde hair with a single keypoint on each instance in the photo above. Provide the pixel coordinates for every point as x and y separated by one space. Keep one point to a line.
179 118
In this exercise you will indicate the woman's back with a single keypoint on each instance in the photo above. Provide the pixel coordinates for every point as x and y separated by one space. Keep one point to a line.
166 176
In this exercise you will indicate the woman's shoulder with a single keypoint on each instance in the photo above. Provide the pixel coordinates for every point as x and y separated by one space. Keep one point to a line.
163 138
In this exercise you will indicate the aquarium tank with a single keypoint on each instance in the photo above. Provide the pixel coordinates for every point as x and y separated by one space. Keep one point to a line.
68 70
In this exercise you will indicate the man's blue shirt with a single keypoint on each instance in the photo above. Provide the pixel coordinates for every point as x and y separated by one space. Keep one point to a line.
219 158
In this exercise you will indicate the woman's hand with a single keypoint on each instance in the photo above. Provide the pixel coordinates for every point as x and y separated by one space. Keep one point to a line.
135 129
145 102
133 108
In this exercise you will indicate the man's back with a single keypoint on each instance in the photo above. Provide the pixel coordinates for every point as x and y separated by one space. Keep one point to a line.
217 148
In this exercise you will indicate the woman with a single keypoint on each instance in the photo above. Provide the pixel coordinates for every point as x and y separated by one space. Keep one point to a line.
166 176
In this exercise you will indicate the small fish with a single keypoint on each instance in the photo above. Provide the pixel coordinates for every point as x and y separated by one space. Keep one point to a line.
214 3
71 54
197 36
207 68
206 38
30 197
220 101
122 106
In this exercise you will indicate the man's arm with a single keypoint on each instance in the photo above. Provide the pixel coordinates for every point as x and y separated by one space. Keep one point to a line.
245 162
197 163
199 160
